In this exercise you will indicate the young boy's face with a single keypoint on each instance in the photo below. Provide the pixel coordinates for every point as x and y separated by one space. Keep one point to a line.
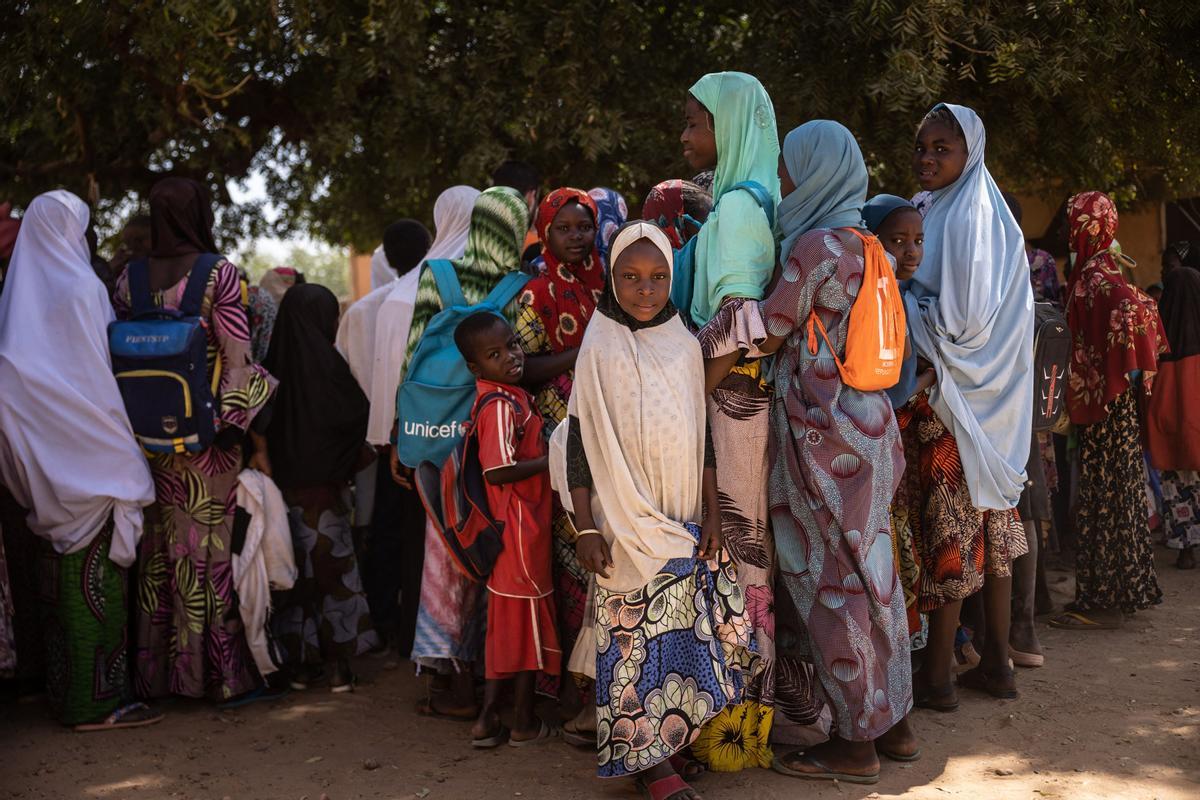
902 235
699 140
496 354
939 157
572 234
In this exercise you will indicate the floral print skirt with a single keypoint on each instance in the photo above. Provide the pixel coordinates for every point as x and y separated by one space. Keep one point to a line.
670 656
1114 560
1181 505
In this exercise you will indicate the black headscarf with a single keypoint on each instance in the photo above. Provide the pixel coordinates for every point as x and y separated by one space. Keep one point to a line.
1180 309
319 421
181 219
609 306
405 243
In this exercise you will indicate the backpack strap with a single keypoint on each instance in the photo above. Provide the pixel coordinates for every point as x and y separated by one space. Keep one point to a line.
482 402
193 293
140 300
506 290
447 282
760 195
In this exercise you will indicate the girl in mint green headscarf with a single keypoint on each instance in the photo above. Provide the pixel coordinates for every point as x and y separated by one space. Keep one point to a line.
730 127
735 254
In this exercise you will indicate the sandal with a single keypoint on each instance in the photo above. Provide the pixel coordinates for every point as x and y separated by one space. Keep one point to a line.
1078 621
133 715
904 758
932 698
1022 659
824 773
982 681
688 768
262 693
664 788
495 740
425 708
545 733
574 735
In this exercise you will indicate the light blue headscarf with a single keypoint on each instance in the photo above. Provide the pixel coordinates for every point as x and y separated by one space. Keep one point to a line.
827 167
970 313
735 249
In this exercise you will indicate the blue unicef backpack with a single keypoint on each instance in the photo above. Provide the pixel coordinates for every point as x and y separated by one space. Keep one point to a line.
160 359
438 391
683 279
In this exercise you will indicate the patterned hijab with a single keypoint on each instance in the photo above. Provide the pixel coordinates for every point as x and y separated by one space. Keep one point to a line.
667 207
613 212
1115 327
499 220
564 295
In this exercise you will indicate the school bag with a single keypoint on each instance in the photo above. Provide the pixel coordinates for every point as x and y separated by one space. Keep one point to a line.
455 499
160 360
438 390
876 329
683 278
1051 355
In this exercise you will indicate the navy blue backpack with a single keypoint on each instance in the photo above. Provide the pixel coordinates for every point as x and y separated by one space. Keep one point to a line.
160 359
683 278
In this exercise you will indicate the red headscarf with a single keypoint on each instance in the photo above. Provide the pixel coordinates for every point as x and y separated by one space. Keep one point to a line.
564 295
1115 327
664 208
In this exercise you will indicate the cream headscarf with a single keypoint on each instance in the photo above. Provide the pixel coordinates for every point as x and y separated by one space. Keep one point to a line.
639 399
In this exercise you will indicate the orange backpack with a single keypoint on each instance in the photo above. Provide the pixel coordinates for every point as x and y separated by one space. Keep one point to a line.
876 331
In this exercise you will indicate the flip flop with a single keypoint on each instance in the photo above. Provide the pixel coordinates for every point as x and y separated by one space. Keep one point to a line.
981 681
663 788
901 757
1078 621
488 742
262 693
687 768
928 699
545 734
826 775
578 737
134 715
425 708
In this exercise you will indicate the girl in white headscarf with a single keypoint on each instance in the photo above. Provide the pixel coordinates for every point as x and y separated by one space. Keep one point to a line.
637 464
68 456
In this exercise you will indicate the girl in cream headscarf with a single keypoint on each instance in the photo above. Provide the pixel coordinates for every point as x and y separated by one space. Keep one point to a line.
669 634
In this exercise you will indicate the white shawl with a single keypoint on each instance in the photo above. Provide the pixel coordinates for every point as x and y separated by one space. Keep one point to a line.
639 399
970 311
67 451
267 561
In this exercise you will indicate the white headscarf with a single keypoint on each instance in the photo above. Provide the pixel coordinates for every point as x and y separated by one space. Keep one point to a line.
639 398
373 333
452 222
970 311
67 451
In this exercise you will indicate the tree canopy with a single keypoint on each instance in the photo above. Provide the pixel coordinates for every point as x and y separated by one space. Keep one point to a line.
361 111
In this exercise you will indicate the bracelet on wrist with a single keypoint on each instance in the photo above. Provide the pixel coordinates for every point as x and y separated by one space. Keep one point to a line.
580 534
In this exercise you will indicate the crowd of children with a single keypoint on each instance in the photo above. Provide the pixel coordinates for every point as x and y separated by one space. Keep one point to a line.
674 499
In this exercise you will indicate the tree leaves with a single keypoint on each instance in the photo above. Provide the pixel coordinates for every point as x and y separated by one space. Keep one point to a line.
361 112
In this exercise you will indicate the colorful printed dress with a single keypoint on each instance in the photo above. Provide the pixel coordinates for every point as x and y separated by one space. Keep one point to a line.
190 640
836 462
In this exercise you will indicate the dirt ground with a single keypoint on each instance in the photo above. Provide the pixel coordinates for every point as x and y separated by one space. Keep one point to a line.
1113 714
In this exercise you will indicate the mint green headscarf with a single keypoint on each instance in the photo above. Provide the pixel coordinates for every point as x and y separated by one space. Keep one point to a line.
735 251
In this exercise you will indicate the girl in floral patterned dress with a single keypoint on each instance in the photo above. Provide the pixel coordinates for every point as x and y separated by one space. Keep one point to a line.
190 639
1117 337
670 634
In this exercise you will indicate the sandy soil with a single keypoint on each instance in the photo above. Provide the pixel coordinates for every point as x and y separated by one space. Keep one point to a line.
1114 714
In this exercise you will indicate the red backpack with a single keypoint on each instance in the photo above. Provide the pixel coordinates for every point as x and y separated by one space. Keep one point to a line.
455 498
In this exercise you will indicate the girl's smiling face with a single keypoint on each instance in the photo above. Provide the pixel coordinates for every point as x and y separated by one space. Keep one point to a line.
902 234
572 234
699 140
940 155
642 280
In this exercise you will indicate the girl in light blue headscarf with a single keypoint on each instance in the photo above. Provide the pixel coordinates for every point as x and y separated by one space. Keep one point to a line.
730 127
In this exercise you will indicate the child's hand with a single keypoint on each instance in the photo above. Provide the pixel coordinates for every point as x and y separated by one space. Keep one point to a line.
710 537
594 554
401 474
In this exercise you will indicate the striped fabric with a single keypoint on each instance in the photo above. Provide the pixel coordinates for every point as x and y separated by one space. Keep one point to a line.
498 224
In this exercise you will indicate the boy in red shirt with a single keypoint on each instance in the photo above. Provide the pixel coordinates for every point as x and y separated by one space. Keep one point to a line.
522 637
